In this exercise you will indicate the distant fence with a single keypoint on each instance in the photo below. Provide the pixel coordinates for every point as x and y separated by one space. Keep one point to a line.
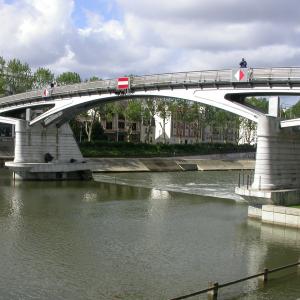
213 289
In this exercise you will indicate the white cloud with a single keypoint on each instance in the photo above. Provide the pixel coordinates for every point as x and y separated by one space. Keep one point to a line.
151 36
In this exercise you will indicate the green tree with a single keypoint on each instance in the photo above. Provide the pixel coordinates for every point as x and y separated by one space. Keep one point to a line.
293 112
133 114
2 76
249 127
68 78
197 113
226 122
149 110
94 78
42 77
180 112
19 78
260 104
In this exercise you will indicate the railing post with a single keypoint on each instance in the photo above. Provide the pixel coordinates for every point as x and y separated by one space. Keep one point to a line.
239 179
213 294
264 277
259 184
243 178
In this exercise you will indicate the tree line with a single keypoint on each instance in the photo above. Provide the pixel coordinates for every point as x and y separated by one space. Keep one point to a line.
17 77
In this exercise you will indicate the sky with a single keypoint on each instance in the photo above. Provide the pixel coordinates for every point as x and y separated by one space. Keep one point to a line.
110 38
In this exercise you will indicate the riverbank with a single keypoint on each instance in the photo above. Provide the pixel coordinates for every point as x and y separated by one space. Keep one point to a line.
213 162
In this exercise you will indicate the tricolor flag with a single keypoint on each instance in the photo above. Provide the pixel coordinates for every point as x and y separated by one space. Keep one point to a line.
123 83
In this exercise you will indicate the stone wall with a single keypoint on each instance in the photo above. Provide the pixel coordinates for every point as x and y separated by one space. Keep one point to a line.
281 215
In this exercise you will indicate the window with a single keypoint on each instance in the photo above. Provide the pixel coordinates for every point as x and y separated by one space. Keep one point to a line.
108 125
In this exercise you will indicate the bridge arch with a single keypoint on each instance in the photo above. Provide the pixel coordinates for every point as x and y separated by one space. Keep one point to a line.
64 110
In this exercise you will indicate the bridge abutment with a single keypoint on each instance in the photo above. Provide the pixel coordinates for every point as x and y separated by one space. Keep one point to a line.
47 153
277 166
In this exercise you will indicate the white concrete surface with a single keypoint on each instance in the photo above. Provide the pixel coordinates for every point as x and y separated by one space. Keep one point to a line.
280 215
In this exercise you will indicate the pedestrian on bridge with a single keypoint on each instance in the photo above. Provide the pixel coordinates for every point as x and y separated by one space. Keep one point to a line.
243 63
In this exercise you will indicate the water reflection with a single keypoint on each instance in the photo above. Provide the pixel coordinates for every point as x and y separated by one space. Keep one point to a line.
96 240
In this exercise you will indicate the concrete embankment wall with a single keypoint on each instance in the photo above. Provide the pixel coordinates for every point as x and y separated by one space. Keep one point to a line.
166 164
273 214
214 162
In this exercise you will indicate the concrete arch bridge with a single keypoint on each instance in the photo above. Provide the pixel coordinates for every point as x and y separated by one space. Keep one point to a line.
278 160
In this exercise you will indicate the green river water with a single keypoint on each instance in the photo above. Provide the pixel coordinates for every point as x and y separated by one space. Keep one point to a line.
138 236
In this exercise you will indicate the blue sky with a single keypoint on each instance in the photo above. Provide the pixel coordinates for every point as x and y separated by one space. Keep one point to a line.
107 8
109 38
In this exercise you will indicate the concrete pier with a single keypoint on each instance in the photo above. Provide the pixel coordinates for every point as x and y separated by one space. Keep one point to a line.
277 166
47 153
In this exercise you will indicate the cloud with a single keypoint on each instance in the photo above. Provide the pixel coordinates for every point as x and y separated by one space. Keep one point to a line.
150 36
35 30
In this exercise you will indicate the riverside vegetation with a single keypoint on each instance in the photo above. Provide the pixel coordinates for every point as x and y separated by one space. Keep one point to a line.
123 149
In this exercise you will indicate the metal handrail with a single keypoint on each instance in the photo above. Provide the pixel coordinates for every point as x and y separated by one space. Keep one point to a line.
217 286
258 75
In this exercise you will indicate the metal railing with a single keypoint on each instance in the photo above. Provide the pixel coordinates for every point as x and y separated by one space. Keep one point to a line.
168 80
212 290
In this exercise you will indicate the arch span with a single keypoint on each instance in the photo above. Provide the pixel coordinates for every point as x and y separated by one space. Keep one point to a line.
65 109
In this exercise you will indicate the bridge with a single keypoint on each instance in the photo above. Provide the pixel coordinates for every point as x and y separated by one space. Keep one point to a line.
278 141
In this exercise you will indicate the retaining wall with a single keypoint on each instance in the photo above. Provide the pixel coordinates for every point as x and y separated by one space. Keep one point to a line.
273 214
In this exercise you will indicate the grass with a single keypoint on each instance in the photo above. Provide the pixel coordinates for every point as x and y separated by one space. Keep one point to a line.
123 149
295 206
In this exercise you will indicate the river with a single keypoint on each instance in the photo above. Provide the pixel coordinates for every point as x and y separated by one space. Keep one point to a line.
137 236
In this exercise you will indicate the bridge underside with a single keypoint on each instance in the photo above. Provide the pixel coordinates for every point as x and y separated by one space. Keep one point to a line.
277 165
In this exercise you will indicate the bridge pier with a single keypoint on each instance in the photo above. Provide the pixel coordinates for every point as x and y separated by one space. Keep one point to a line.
277 167
47 153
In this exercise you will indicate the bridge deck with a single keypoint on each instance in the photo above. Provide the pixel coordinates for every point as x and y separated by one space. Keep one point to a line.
278 77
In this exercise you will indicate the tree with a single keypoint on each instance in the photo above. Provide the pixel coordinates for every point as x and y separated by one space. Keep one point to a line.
247 126
149 110
248 129
19 78
133 114
180 111
260 104
2 76
42 77
293 111
89 118
94 78
197 113
210 119
225 121
68 78
164 111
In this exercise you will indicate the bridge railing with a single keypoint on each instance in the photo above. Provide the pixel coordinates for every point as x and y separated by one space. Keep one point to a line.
290 75
275 74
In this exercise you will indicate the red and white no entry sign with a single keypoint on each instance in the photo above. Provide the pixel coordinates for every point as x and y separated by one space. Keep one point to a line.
123 83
